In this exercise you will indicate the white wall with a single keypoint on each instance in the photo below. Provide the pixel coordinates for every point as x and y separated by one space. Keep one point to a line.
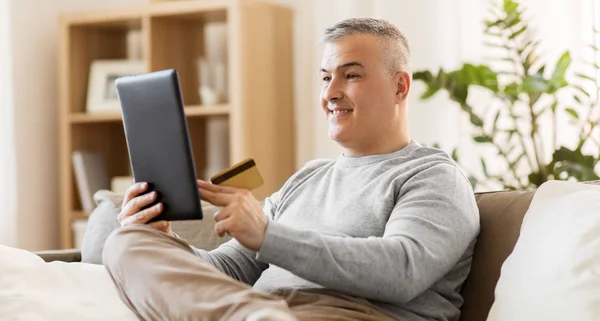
8 186
28 42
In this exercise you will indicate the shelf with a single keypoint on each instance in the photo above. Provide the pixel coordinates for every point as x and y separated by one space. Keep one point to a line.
83 118
122 17
218 110
131 16
78 215
191 111
170 8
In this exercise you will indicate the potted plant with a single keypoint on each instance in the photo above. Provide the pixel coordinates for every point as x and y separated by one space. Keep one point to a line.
526 96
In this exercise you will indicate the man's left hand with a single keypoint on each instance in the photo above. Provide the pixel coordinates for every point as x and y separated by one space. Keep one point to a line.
241 215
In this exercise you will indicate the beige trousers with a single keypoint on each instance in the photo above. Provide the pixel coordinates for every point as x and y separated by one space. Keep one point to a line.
159 278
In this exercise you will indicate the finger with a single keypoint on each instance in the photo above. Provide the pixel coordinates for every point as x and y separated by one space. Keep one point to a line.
222 214
217 199
216 188
138 203
222 227
133 191
160 225
144 216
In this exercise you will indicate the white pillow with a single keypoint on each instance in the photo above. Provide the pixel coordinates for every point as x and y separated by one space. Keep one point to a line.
31 289
553 273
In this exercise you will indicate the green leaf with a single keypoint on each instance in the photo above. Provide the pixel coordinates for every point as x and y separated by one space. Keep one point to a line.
424 75
582 90
536 178
540 71
475 120
430 81
490 24
473 180
557 80
586 77
479 75
574 163
518 32
534 98
531 45
553 106
535 85
482 139
455 154
577 99
530 59
459 93
513 89
561 65
572 112
495 122
430 92
512 20
484 167
510 6
466 108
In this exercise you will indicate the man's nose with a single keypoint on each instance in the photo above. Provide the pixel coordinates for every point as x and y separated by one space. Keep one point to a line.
333 90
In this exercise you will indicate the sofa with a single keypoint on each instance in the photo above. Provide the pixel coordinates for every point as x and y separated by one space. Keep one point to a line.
501 215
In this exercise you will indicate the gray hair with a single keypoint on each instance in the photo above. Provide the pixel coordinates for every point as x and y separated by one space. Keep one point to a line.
394 43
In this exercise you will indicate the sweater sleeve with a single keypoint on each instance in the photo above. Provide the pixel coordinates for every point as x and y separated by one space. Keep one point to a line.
234 259
431 226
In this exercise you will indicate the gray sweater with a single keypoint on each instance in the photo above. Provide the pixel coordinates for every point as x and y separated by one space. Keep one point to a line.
397 229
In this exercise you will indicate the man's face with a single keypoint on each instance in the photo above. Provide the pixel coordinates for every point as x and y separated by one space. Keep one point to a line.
358 93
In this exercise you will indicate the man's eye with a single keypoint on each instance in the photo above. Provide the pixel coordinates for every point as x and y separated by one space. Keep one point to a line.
350 76
326 78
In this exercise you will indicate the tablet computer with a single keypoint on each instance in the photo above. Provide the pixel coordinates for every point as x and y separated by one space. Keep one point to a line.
158 142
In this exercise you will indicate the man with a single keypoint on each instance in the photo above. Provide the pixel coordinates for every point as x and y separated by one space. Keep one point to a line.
383 232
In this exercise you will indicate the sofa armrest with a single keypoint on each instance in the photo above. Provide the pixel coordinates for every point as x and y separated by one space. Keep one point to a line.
70 255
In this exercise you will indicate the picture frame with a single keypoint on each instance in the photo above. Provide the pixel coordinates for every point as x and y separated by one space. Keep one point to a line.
102 93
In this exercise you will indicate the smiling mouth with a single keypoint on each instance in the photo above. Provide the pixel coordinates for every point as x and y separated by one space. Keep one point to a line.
339 112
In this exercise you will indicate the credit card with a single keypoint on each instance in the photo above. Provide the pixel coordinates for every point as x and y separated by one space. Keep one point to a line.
244 174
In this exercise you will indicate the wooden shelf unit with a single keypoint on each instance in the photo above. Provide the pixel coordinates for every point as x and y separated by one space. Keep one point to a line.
191 111
259 107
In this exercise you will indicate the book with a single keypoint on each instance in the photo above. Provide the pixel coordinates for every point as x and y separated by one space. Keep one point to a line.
90 175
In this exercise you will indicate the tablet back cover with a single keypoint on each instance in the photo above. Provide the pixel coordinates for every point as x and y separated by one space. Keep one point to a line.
158 142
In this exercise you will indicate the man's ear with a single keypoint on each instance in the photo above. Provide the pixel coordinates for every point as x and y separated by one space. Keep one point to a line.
402 80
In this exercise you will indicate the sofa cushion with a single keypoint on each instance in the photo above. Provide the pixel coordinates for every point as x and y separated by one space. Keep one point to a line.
103 220
501 214
553 273
31 289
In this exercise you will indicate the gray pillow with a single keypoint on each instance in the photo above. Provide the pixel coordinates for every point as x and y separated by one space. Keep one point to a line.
103 220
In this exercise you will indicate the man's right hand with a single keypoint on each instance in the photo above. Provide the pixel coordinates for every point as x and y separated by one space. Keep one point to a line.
132 211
